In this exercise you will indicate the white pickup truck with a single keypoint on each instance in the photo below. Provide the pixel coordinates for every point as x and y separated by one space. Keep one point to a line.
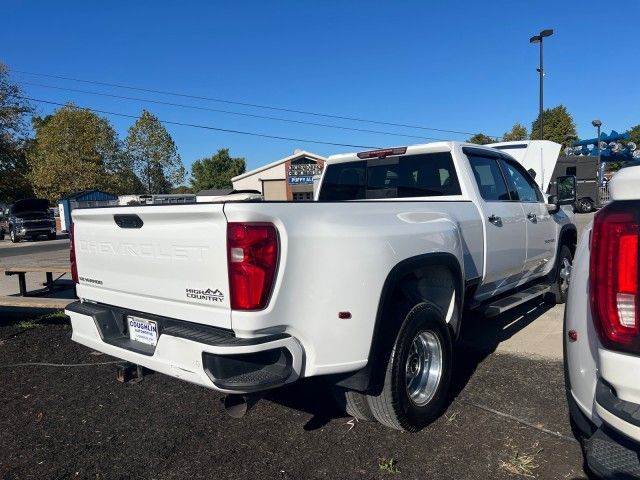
602 334
368 285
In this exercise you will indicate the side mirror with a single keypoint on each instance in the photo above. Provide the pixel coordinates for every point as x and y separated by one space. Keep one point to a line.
566 190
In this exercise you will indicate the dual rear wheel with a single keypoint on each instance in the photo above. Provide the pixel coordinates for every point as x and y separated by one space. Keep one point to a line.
416 378
418 370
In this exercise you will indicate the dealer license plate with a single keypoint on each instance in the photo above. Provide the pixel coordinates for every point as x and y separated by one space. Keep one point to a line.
143 331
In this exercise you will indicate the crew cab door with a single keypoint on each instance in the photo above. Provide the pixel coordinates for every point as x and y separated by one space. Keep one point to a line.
541 229
505 228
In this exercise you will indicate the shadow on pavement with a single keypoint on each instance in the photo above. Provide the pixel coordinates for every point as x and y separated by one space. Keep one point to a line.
13 316
311 395
480 337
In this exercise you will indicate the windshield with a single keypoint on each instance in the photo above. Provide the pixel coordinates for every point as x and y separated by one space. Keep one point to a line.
30 205
424 175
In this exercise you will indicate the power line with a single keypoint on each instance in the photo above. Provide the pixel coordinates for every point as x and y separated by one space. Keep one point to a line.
244 104
205 127
195 107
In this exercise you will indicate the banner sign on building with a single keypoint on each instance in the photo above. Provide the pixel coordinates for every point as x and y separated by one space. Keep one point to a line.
303 167
301 180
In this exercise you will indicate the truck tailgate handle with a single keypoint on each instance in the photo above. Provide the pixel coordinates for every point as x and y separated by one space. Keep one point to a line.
128 221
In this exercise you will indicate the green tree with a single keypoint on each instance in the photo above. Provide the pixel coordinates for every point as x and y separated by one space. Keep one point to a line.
182 189
14 133
634 135
559 126
481 139
216 171
74 149
126 182
152 155
517 132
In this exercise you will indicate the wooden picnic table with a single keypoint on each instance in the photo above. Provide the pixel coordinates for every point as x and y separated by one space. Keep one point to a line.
45 258
22 271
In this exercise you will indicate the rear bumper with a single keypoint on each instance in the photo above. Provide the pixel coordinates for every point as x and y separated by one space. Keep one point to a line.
609 453
612 456
621 415
208 356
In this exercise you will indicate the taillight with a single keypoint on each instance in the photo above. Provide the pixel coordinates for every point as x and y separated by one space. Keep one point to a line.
613 275
252 253
72 256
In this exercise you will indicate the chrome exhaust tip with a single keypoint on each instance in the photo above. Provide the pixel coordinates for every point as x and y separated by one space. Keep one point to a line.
237 406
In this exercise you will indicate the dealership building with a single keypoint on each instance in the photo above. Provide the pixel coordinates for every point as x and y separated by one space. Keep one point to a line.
290 178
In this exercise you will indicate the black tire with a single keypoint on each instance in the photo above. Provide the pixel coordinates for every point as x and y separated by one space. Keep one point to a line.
560 287
12 235
394 406
584 205
51 236
354 403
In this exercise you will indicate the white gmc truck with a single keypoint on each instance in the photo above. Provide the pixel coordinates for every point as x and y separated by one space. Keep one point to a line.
602 334
368 285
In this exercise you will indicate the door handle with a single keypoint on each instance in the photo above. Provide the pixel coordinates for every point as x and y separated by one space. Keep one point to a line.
532 216
495 219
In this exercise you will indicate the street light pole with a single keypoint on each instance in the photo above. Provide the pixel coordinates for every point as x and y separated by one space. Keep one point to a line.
541 72
597 123
539 39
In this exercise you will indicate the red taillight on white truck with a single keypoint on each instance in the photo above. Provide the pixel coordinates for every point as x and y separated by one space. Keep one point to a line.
613 275
252 252
72 256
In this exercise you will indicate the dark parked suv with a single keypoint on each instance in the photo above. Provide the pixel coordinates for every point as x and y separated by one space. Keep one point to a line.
31 218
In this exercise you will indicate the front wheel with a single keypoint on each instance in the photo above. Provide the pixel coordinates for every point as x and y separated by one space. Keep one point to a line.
418 372
12 235
584 205
560 288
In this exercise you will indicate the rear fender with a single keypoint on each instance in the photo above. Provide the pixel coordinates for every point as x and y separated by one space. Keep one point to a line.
387 325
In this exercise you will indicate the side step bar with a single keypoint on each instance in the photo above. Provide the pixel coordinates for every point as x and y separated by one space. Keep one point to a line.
507 303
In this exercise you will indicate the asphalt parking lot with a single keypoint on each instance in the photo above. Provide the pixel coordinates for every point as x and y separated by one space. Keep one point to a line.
65 416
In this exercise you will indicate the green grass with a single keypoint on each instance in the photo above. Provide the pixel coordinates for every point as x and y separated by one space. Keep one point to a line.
389 466
57 315
28 324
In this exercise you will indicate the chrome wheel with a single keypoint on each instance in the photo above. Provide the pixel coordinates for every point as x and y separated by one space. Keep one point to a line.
585 205
565 275
424 367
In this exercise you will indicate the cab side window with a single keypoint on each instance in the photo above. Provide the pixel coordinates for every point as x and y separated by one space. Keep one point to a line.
523 187
489 178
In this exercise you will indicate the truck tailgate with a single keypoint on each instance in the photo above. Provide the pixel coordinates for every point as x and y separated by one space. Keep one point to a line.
168 260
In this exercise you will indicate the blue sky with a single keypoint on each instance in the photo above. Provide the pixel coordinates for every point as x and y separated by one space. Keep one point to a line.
464 65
